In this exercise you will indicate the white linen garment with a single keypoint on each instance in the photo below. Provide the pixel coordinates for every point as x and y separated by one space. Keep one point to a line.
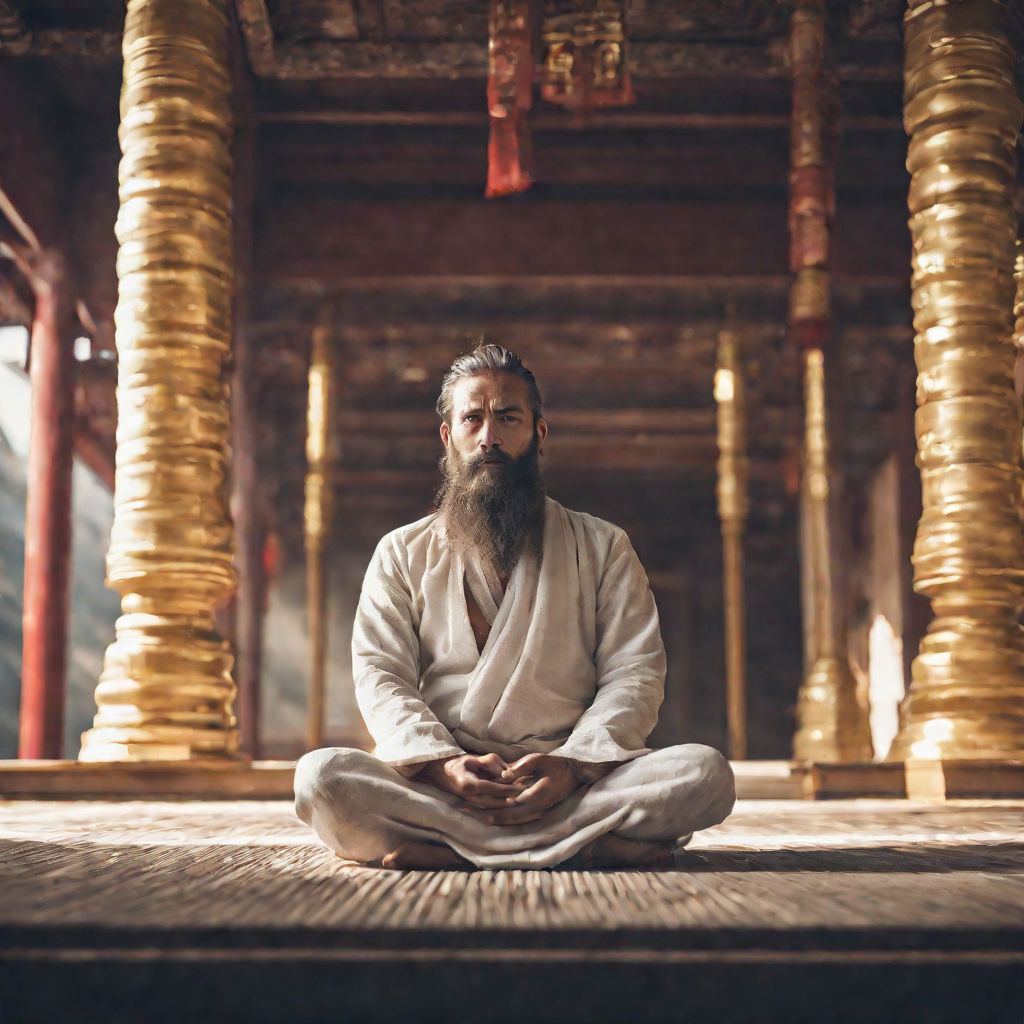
573 666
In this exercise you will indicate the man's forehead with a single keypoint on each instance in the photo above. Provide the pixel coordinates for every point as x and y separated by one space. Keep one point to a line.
489 387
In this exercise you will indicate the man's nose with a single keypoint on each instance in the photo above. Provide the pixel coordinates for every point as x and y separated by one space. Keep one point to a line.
489 435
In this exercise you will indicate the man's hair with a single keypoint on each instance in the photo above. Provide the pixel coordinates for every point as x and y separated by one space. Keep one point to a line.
487 357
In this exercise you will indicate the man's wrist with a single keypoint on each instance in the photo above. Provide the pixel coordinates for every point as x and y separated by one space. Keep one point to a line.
586 772
432 770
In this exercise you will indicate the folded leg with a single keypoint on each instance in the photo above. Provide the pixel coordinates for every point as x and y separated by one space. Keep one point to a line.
363 809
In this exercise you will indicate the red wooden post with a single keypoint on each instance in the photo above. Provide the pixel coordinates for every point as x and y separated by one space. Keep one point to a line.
48 514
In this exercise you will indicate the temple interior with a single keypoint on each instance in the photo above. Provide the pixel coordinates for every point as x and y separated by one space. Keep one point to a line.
240 243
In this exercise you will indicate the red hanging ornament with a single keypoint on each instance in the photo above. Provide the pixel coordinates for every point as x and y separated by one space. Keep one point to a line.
509 98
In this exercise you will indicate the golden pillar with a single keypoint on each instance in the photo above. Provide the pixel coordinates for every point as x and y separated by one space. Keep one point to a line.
831 725
733 472
166 691
962 114
317 517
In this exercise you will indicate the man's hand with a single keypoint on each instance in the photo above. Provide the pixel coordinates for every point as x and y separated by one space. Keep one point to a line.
548 781
478 781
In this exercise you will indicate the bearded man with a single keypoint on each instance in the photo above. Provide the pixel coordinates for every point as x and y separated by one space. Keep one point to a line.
508 663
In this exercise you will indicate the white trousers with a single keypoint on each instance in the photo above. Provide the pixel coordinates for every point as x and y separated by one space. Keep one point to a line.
362 808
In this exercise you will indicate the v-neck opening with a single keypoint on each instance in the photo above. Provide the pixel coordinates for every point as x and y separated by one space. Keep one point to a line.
502 610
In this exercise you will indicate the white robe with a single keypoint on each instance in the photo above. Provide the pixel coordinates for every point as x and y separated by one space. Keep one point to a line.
573 666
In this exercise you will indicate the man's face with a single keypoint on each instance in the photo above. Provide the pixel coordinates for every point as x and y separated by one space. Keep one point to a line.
491 423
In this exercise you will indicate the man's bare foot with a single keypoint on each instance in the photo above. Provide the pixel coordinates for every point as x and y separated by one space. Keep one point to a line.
612 851
424 857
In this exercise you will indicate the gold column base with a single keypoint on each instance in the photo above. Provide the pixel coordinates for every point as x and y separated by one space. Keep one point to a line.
832 726
165 694
967 689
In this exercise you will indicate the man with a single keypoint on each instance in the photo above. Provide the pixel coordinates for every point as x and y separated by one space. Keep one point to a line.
508 663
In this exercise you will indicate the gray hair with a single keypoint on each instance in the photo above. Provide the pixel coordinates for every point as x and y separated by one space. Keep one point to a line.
483 358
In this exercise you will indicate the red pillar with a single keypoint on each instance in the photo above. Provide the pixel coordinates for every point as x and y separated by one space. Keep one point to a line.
48 515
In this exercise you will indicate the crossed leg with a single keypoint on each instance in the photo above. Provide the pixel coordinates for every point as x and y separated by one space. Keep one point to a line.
366 811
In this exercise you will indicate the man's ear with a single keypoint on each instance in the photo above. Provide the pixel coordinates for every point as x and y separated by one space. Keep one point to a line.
542 432
445 434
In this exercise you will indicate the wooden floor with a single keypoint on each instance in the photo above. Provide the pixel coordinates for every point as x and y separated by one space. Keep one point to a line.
859 910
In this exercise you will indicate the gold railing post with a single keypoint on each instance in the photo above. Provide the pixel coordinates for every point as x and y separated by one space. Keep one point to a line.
733 471
166 691
961 111
831 726
317 518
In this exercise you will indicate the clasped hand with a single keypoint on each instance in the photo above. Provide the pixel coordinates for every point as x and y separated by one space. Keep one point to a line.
493 791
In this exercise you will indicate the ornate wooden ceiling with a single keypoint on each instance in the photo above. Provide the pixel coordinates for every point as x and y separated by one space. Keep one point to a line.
650 228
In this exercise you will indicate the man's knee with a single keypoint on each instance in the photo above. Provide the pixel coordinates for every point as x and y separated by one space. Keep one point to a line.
700 771
717 776
326 773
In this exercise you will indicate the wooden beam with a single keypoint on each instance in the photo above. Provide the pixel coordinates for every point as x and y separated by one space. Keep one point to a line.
567 422
648 60
602 465
473 300
89 44
552 121
727 236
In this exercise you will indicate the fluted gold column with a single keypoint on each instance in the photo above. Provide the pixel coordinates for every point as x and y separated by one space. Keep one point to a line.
831 725
733 473
317 518
166 691
962 113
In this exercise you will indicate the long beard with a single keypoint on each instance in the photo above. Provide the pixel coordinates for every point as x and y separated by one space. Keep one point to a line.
496 514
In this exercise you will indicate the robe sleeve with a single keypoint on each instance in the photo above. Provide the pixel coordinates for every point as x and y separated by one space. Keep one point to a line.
385 667
630 662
